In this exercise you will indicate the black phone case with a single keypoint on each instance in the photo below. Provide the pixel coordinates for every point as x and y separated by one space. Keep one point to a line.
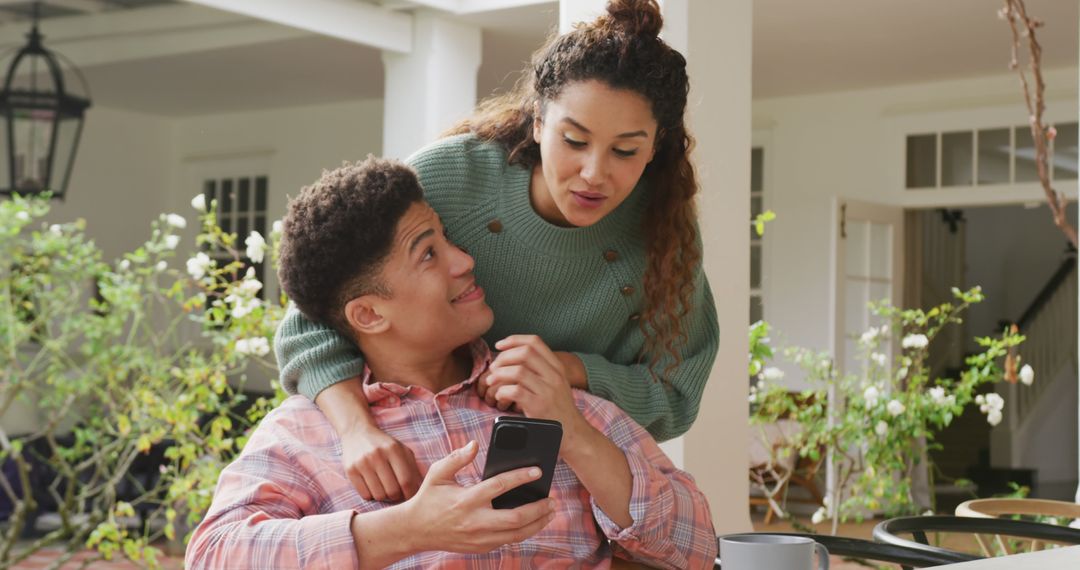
541 449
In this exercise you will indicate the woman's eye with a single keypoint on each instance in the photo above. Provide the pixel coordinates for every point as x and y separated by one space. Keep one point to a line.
574 143
625 153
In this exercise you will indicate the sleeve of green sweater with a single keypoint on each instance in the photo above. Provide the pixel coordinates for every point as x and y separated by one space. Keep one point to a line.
667 411
312 356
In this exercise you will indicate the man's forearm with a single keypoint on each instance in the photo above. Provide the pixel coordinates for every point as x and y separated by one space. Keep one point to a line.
345 405
602 468
383 537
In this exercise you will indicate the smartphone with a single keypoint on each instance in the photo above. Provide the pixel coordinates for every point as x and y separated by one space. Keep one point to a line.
523 442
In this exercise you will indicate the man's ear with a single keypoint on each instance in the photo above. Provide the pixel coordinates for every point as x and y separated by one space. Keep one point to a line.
538 122
364 316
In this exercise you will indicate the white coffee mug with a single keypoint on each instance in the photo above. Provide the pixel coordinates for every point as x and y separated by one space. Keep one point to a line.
771 552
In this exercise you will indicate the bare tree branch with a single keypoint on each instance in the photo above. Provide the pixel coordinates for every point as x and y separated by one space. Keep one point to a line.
1023 29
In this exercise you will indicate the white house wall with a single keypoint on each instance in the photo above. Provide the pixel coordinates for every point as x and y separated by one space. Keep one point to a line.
851 144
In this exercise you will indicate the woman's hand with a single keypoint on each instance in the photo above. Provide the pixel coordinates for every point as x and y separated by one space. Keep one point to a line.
529 376
379 466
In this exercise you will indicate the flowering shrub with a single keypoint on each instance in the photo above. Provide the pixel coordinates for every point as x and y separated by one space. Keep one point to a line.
874 422
120 360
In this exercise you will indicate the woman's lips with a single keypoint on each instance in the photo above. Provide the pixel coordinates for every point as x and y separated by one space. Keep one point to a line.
588 199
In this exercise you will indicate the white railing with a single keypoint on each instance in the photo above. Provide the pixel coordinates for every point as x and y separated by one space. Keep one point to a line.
1050 346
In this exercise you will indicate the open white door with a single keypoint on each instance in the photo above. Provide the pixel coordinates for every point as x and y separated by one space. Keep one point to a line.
867 258
868 252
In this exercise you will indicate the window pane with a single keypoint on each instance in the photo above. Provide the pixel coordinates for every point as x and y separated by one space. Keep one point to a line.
260 193
756 164
1025 169
994 152
922 161
226 197
209 189
856 248
755 209
880 251
956 149
244 191
757 311
755 266
241 229
1065 152
260 225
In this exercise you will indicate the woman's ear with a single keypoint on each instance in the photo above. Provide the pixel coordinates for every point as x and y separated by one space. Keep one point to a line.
538 122
364 316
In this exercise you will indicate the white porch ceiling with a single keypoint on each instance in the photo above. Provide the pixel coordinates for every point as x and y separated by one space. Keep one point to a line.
799 48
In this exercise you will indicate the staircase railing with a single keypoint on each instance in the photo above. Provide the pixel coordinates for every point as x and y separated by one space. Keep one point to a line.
1050 326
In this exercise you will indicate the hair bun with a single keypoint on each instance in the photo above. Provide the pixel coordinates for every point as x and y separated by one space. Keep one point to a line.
637 17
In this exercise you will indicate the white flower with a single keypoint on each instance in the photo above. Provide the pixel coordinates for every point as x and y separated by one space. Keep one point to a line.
994 401
256 247
22 216
171 241
198 266
241 307
869 336
994 417
161 266
176 220
915 341
752 398
124 265
277 227
249 287
56 229
256 345
902 373
871 396
882 428
1027 375
772 374
950 400
937 395
199 202
980 399
895 408
819 516
879 359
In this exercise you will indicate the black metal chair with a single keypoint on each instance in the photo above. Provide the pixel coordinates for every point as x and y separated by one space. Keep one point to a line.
906 558
888 532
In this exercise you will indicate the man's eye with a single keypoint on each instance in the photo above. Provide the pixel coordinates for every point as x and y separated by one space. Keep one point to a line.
429 253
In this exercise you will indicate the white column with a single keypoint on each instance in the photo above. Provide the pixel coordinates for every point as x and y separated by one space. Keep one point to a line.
716 38
430 88
1078 380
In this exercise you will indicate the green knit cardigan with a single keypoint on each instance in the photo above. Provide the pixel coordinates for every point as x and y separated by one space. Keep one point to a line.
579 289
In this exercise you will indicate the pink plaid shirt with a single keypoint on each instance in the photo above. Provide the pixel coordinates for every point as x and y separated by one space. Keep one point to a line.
287 503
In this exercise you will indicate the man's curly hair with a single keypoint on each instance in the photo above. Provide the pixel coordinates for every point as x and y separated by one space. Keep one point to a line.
337 235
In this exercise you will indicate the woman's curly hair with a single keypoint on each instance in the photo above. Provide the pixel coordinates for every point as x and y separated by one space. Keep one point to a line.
623 50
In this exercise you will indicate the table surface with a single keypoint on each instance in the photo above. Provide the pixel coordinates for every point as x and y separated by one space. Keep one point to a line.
1056 559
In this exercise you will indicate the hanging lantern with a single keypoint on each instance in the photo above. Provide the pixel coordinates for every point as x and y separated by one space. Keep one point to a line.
40 122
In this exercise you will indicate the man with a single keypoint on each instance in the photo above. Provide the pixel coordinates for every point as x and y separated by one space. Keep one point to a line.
363 253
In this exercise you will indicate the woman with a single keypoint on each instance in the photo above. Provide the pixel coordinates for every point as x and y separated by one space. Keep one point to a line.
575 195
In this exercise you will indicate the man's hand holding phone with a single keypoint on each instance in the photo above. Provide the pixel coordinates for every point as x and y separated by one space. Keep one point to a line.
446 516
